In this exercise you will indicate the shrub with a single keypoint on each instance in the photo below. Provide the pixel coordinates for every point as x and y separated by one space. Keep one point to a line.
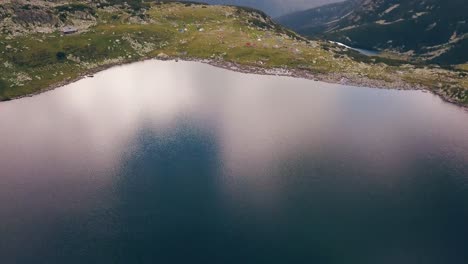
61 56
75 7
3 87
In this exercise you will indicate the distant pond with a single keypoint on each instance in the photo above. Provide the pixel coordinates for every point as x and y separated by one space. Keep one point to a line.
182 162
366 52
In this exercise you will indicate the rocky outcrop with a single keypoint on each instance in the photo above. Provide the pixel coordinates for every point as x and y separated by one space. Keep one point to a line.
24 17
33 15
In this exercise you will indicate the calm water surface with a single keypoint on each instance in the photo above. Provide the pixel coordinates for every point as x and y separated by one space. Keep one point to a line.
165 162
366 52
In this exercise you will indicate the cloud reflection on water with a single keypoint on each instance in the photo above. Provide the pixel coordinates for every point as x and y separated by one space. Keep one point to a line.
260 121
278 139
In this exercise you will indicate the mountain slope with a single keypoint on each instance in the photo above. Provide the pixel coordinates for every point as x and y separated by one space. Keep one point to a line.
434 30
319 19
273 7
45 44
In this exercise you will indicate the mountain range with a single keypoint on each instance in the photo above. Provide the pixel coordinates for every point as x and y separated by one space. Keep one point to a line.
431 30
273 8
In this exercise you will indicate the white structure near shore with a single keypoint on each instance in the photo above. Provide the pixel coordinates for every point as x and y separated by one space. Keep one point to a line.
69 30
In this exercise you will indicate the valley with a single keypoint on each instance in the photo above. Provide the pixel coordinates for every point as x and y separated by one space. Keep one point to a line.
431 31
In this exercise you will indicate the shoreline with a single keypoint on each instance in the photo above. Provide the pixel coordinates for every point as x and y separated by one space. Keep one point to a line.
331 78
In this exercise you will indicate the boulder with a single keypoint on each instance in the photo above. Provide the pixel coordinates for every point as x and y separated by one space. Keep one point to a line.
162 56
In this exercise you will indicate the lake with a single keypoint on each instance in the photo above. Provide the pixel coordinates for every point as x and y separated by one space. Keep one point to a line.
366 52
182 162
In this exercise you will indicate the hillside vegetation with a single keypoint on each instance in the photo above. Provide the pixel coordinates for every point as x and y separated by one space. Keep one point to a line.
435 31
35 54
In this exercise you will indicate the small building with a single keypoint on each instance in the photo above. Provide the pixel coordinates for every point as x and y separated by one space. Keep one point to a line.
69 30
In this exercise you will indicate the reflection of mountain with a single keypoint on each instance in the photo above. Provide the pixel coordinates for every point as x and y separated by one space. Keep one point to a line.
169 201
437 30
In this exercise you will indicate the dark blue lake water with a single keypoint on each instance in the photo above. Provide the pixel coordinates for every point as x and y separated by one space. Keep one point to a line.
165 162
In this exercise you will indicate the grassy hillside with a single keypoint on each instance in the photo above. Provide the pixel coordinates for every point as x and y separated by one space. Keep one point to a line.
35 55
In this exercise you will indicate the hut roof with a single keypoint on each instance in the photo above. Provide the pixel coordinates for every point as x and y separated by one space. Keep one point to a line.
69 29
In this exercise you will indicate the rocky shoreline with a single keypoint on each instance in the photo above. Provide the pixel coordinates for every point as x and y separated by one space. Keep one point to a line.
332 78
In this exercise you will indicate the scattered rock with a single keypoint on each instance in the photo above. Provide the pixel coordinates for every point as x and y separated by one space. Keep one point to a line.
163 56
